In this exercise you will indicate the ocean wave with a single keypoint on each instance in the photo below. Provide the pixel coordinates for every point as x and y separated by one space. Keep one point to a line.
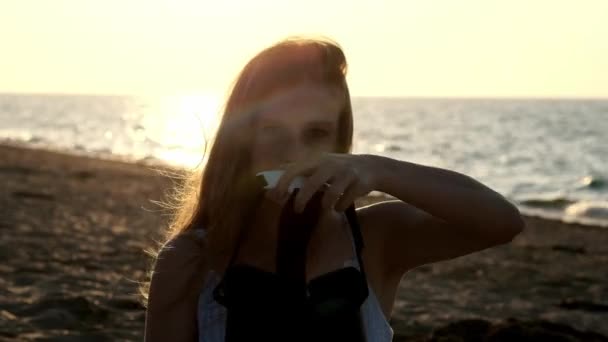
583 212
20 136
593 182
551 203
591 209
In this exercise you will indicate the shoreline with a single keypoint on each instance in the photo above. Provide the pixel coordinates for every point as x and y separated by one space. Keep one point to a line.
528 212
74 231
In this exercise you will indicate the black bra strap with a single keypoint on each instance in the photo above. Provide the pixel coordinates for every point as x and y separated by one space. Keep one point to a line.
351 216
295 232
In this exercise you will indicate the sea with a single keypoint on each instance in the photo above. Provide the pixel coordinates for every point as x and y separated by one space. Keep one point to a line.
548 156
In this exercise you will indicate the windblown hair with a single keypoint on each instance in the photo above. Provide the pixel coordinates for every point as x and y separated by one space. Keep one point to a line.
212 197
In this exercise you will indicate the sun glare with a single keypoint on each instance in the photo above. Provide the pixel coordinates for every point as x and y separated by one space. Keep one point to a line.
181 125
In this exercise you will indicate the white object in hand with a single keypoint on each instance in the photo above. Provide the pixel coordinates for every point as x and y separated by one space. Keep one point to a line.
272 178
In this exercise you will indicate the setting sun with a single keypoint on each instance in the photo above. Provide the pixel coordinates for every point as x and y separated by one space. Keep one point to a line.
180 125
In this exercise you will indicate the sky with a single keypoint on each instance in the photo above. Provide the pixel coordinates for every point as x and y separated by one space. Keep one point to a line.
450 48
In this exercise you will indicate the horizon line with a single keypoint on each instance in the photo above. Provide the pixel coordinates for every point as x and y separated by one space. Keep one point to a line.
388 97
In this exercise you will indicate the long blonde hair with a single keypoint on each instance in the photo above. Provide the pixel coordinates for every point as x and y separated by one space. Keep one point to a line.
212 198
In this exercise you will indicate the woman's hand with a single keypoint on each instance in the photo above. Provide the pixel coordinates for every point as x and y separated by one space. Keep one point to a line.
345 178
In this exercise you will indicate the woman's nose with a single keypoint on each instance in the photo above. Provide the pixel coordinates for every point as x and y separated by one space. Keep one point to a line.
293 152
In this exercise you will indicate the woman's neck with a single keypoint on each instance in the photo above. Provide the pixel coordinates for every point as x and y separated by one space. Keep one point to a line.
259 244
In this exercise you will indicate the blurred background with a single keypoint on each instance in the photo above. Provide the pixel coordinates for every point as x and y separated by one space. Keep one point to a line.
512 93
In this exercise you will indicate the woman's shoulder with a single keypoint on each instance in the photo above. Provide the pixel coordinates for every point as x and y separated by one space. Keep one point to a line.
190 236
179 264
184 247
176 280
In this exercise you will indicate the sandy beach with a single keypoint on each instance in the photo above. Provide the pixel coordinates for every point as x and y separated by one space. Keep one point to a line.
74 230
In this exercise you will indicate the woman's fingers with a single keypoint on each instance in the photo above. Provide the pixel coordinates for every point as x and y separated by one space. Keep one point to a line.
291 172
311 185
336 189
348 197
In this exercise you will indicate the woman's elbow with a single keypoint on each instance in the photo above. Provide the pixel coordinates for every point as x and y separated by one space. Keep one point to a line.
511 224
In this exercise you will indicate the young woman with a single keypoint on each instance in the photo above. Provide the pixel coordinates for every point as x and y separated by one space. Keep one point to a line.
290 109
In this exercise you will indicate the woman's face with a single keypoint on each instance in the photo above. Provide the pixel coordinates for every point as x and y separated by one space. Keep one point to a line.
295 125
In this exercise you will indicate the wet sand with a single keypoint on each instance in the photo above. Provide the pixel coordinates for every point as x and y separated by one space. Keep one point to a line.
74 230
